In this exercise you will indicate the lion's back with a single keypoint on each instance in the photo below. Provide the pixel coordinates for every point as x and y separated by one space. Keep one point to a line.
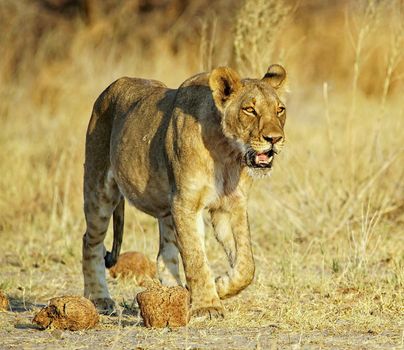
121 110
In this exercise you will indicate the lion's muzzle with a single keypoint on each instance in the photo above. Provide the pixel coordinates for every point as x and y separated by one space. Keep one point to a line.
256 159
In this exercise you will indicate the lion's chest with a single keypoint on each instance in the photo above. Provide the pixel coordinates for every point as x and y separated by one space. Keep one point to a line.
225 186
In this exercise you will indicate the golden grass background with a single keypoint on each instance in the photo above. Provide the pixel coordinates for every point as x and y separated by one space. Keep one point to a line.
328 226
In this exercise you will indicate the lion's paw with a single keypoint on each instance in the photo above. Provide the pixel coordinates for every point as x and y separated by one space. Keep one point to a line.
105 306
208 312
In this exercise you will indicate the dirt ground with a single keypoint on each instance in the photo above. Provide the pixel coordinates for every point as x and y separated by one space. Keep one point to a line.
127 332
247 325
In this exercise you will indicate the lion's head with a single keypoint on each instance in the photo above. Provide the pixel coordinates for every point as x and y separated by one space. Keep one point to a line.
252 114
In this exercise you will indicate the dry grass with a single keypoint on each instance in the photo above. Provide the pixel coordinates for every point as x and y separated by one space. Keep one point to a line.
327 226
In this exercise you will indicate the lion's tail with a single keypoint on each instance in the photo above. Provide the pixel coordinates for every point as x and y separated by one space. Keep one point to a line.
118 219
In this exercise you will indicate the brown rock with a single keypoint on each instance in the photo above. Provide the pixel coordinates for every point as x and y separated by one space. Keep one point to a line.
164 306
133 265
68 312
4 304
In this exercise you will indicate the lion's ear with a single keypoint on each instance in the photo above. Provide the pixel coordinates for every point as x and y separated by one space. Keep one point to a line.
223 82
275 76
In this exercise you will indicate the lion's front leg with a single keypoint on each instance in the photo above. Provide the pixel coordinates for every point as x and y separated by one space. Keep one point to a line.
232 231
224 233
200 281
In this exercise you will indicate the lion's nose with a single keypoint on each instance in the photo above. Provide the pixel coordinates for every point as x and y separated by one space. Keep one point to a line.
273 139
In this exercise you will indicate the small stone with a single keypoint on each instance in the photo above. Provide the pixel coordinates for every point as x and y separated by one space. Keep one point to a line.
4 304
133 265
67 312
57 334
164 306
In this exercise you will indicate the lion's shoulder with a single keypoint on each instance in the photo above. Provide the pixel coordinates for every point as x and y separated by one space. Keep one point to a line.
194 95
201 79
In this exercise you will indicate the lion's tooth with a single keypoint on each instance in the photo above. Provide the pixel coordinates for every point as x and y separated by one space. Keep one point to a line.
270 158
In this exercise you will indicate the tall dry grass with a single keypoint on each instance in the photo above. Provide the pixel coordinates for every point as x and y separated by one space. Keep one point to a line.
329 222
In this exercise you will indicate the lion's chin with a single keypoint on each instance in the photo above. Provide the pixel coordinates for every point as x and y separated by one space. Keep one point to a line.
259 164
258 173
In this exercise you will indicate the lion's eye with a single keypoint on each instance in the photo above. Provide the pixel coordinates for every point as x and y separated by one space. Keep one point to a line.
250 110
280 110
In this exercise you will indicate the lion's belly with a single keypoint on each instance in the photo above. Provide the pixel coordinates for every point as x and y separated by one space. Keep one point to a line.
152 200
142 183
138 160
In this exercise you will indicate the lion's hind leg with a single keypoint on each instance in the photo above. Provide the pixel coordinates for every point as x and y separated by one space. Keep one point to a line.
168 256
100 199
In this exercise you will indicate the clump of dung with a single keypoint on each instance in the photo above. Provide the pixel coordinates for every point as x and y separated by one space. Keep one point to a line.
164 306
4 304
133 265
68 312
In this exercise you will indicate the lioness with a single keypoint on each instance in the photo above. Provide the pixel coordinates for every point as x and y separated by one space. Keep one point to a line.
172 153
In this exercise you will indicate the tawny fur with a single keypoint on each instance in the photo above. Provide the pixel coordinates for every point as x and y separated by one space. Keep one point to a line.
172 154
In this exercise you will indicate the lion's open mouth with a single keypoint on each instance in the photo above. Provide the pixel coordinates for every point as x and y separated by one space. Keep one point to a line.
261 160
